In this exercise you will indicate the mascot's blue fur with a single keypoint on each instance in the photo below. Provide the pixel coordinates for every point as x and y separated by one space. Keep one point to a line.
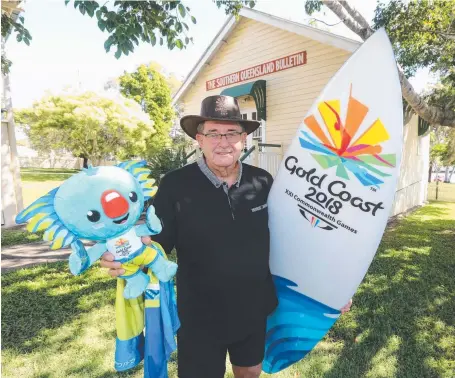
103 204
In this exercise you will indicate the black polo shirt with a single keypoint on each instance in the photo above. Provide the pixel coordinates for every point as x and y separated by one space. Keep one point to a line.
221 237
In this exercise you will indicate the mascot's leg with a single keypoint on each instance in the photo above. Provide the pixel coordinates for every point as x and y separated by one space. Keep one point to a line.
136 280
162 268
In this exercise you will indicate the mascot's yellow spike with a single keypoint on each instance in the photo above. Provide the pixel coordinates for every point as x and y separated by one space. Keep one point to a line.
31 227
148 184
45 224
136 171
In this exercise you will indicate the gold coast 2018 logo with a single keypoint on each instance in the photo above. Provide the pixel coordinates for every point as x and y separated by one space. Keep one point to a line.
341 148
340 145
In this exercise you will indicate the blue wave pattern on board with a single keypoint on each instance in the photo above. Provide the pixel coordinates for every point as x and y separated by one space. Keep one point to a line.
295 327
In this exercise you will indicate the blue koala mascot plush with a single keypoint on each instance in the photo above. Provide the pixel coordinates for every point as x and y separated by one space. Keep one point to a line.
103 204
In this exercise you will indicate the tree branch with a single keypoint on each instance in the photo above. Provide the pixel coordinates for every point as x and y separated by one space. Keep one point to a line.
351 23
356 15
432 114
315 19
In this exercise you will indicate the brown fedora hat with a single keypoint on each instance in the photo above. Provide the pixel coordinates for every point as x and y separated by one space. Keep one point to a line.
217 108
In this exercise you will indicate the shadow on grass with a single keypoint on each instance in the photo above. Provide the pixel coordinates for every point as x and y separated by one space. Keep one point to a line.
45 298
405 305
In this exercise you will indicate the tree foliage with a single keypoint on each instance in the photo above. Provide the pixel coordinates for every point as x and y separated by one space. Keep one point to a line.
88 125
423 35
129 23
166 160
149 88
442 150
10 24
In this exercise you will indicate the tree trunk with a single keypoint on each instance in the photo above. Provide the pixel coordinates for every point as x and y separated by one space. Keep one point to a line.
355 22
85 165
430 171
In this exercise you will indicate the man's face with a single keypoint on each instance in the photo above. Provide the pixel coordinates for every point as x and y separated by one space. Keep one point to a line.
224 150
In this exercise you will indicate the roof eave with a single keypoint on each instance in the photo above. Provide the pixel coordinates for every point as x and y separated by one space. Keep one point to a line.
293 27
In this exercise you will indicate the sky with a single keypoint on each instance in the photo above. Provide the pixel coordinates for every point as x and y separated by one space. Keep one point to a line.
67 49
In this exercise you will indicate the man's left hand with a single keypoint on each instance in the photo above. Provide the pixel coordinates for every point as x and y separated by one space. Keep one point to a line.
146 240
346 307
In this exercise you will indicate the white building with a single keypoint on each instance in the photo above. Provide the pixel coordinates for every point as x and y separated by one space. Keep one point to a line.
281 98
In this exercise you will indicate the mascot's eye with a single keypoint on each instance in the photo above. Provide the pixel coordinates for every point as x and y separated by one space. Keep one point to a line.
133 196
93 216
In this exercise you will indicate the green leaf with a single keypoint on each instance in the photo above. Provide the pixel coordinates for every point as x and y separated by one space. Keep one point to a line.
178 27
101 25
108 43
19 38
27 42
98 14
67 1
152 38
125 48
90 11
187 40
21 19
130 45
193 19
82 8
186 26
188 9
118 53
179 43
182 10
161 41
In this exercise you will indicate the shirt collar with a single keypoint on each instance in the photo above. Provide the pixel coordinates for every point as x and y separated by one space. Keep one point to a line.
212 177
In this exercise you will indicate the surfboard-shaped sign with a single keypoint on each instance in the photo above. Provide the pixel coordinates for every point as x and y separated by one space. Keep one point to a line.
331 199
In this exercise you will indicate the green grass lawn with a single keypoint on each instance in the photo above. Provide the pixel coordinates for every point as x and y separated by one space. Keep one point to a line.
46 174
443 191
36 182
21 236
401 323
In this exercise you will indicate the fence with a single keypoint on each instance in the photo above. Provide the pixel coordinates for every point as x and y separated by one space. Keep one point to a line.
57 162
440 191
263 155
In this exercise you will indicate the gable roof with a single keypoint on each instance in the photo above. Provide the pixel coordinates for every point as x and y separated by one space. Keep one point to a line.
278 22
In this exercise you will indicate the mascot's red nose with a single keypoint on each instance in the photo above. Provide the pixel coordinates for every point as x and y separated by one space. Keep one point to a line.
114 205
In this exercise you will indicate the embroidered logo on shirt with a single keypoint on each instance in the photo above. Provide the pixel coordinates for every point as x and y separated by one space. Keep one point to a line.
120 242
259 208
123 247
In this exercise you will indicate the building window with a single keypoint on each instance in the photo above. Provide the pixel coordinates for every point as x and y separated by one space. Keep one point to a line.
257 134
254 115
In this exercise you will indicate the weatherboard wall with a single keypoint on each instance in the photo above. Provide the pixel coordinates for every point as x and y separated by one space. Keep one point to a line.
290 92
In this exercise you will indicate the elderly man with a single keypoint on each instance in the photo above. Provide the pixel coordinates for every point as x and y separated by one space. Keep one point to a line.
214 214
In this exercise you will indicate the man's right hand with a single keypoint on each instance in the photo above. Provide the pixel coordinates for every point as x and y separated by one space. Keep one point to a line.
115 267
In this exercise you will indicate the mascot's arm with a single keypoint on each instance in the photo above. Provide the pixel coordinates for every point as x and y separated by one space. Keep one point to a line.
152 224
81 259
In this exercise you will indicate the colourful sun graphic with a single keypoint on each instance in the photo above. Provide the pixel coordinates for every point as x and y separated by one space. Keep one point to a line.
121 242
341 148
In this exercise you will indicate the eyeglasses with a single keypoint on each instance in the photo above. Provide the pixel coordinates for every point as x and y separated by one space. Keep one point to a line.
231 136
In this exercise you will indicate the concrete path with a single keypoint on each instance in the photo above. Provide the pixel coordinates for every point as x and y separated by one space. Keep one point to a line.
27 255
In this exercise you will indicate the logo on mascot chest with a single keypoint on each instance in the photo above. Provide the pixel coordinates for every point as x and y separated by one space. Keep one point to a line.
122 247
